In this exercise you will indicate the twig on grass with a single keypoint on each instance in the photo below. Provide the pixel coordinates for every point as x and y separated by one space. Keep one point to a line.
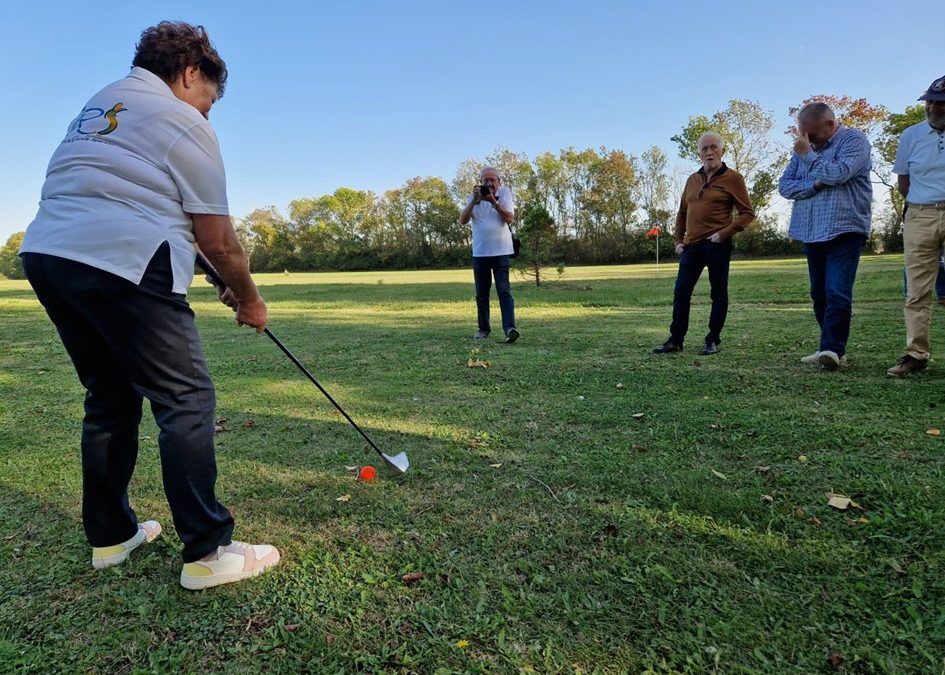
543 483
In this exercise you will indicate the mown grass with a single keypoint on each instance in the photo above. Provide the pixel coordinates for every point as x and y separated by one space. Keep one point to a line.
556 529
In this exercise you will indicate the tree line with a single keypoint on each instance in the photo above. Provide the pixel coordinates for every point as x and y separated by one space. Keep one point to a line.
595 206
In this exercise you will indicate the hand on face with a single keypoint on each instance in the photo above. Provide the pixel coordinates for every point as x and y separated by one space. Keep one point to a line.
802 143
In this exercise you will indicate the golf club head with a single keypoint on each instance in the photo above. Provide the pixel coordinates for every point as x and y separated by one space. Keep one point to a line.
398 464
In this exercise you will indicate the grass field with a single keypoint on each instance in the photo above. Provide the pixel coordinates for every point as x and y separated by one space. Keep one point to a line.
580 506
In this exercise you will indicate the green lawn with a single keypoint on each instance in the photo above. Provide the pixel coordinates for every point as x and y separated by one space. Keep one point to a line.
580 506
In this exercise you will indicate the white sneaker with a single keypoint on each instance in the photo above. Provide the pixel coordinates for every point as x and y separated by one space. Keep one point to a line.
234 562
106 556
811 358
829 360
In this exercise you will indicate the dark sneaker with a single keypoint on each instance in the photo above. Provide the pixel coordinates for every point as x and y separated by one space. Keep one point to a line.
512 335
710 348
481 335
668 347
907 364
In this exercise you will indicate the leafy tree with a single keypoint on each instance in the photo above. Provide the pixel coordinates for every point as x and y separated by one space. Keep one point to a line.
425 220
654 187
269 240
746 129
887 144
538 234
11 266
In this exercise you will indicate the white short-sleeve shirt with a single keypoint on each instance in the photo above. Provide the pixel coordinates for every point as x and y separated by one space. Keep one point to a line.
490 234
133 166
921 156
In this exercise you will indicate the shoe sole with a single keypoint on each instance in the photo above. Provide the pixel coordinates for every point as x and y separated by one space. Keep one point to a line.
200 583
828 363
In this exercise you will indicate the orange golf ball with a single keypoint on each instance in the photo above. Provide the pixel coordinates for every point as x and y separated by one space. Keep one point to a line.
367 473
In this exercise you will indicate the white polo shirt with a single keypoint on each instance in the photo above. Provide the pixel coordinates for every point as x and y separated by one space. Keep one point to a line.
921 156
490 234
134 164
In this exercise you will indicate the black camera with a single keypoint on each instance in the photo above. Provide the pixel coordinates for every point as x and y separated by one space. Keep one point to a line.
484 190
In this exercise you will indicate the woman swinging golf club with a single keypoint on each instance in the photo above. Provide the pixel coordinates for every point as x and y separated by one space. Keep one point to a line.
135 183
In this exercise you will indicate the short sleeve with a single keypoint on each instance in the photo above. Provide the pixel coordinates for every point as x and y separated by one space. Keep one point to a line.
901 165
195 164
505 199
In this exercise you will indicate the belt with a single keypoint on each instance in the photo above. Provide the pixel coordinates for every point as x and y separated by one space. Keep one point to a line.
938 206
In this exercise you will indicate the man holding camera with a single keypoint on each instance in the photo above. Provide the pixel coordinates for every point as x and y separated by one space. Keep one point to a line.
491 210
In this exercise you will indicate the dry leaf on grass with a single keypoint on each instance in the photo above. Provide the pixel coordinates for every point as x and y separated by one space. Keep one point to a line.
767 499
762 469
248 423
352 469
719 475
343 498
802 458
619 385
411 577
933 432
841 502
291 627
638 416
476 363
814 520
799 512
496 466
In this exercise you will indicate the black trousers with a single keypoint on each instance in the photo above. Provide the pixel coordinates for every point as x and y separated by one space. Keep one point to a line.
130 342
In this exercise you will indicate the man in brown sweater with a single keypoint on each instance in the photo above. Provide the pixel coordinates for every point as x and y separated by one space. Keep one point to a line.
705 224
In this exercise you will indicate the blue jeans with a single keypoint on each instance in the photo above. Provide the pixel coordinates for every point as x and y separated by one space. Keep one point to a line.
693 260
484 268
832 269
939 279
130 342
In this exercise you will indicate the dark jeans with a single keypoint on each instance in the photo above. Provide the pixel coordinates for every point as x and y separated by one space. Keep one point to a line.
484 268
128 343
693 260
832 268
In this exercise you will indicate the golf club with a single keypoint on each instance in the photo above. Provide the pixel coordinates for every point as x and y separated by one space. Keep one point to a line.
398 464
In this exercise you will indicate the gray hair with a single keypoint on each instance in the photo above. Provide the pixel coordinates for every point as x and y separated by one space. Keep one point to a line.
817 110
713 135
489 168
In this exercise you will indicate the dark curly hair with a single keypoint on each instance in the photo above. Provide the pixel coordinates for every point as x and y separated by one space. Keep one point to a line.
168 48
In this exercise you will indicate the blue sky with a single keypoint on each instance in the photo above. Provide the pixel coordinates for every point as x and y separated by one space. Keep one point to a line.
370 94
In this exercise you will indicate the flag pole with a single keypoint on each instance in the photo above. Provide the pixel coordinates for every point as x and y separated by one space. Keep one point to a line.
657 252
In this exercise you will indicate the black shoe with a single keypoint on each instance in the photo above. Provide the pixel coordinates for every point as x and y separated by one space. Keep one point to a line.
512 335
710 348
668 347
481 335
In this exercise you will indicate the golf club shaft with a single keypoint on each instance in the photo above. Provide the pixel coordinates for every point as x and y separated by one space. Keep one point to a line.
211 272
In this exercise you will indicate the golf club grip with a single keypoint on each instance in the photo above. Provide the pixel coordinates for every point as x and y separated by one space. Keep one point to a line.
205 265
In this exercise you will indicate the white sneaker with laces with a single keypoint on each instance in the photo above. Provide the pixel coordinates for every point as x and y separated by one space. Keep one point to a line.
811 358
106 556
234 562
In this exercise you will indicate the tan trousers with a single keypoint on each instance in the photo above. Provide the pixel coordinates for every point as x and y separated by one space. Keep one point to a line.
923 234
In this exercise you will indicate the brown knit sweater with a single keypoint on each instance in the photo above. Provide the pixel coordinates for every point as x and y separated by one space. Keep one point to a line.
707 208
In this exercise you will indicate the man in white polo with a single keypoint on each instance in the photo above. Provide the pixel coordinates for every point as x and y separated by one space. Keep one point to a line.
491 210
920 165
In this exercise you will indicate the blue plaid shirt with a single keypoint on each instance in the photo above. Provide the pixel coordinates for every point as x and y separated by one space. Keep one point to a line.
844 203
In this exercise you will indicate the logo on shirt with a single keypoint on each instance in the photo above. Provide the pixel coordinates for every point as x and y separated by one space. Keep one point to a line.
91 117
